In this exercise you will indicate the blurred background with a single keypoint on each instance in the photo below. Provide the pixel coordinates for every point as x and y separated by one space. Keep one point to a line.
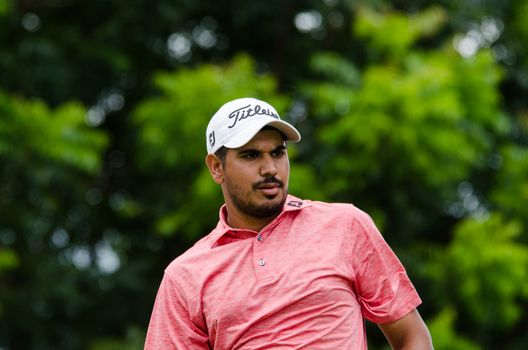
415 111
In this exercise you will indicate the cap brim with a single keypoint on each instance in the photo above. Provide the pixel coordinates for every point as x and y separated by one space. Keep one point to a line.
246 134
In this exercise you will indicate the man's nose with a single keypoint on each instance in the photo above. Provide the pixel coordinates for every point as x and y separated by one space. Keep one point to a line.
268 167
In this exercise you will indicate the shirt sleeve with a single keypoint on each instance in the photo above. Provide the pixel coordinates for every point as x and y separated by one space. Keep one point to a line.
171 324
383 288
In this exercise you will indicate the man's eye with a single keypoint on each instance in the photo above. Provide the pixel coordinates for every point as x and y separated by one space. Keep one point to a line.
249 156
278 153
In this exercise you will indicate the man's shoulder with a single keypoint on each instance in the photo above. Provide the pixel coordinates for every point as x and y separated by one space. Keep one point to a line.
336 212
189 260
325 207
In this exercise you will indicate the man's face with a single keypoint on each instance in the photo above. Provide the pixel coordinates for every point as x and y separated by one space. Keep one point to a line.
256 175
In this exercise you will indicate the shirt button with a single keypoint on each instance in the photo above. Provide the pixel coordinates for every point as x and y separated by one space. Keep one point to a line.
262 262
259 238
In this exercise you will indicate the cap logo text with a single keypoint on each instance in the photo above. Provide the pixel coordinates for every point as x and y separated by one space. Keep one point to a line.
248 112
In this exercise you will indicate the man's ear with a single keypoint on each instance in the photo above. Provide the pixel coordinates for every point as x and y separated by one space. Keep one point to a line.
215 168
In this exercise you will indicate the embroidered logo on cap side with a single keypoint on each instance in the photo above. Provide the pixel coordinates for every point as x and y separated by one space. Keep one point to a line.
212 139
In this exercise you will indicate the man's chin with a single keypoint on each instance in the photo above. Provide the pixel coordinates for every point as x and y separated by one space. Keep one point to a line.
268 211
270 206
274 199
260 206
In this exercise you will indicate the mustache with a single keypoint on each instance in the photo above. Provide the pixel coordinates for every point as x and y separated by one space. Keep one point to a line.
268 180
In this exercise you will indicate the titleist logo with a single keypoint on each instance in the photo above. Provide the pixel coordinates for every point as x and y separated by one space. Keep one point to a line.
248 112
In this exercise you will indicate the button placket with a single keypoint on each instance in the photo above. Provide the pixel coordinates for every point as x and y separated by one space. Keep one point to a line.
260 254
261 261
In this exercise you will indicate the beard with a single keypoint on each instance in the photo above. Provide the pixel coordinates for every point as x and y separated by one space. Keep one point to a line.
244 203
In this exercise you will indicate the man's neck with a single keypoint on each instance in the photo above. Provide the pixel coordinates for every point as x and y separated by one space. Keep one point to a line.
237 220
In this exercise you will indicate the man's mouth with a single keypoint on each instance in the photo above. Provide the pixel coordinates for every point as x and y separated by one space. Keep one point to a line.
269 187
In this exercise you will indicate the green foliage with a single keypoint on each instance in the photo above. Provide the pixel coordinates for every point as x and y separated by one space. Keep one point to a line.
5 7
393 33
29 130
476 271
134 340
436 111
303 182
336 68
47 157
445 338
519 25
8 259
511 194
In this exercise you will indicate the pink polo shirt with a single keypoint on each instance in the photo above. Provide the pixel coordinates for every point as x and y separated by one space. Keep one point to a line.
306 281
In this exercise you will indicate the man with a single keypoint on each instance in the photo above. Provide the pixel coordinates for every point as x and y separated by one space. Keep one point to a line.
279 272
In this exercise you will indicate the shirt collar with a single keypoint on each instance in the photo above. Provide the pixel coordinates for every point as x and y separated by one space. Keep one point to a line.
292 203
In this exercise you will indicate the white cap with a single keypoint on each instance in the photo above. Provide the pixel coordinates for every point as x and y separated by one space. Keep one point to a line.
238 121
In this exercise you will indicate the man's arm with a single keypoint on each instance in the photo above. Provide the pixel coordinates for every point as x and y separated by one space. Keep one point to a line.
171 325
409 332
